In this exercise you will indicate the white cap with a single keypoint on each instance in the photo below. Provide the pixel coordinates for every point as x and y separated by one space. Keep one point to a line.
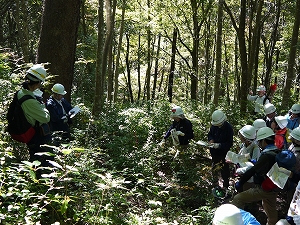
248 132
259 123
218 117
269 108
264 133
228 214
59 89
281 121
261 88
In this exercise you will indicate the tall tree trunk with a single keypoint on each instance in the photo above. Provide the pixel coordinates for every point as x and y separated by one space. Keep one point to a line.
218 53
139 68
58 39
253 50
22 25
290 73
128 70
208 67
116 77
270 49
196 30
99 77
243 52
172 68
156 68
110 12
148 71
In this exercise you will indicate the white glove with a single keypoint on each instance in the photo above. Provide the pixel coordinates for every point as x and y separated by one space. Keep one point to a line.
215 145
179 133
162 143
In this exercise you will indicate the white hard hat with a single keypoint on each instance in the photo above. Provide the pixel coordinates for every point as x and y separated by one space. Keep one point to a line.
259 123
218 117
37 73
59 89
281 121
295 109
269 108
177 112
261 88
296 133
248 132
228 214
264 132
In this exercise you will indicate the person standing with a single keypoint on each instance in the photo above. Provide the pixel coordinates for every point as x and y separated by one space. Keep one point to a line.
59 109
220 139
36 114
260 99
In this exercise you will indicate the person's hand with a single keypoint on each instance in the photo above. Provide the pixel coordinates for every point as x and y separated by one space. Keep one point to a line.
179 133
215 145
162 143
65 119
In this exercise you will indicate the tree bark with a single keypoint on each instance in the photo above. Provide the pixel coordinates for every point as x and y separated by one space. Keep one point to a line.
58 37
156 68
117 69
290 73
218 53
110 12
99 77
172 68
128 70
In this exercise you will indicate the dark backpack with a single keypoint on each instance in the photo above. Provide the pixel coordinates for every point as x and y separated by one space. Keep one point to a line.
18 126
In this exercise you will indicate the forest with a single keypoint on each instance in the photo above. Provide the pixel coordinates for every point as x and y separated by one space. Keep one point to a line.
126 64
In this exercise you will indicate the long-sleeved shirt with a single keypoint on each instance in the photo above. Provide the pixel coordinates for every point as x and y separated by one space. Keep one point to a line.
262 166
222 135
33 109
58 109
259 102
186 127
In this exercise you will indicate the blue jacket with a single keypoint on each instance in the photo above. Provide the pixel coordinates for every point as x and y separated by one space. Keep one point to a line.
186 127
248 218
56 113
222 135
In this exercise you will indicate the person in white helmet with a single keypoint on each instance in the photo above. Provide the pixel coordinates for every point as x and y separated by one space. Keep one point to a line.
36 113
278 125
248 146
220 138
294 117
270 113
59 109
181 130
260 99
259 123
228 214
265 137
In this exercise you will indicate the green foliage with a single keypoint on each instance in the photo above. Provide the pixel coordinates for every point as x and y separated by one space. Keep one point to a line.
114 171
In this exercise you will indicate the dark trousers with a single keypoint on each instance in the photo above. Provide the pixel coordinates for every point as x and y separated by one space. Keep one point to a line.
220 166
34 146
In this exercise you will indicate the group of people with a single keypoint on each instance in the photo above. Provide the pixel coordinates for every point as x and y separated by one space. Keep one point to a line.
270 139
45 117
